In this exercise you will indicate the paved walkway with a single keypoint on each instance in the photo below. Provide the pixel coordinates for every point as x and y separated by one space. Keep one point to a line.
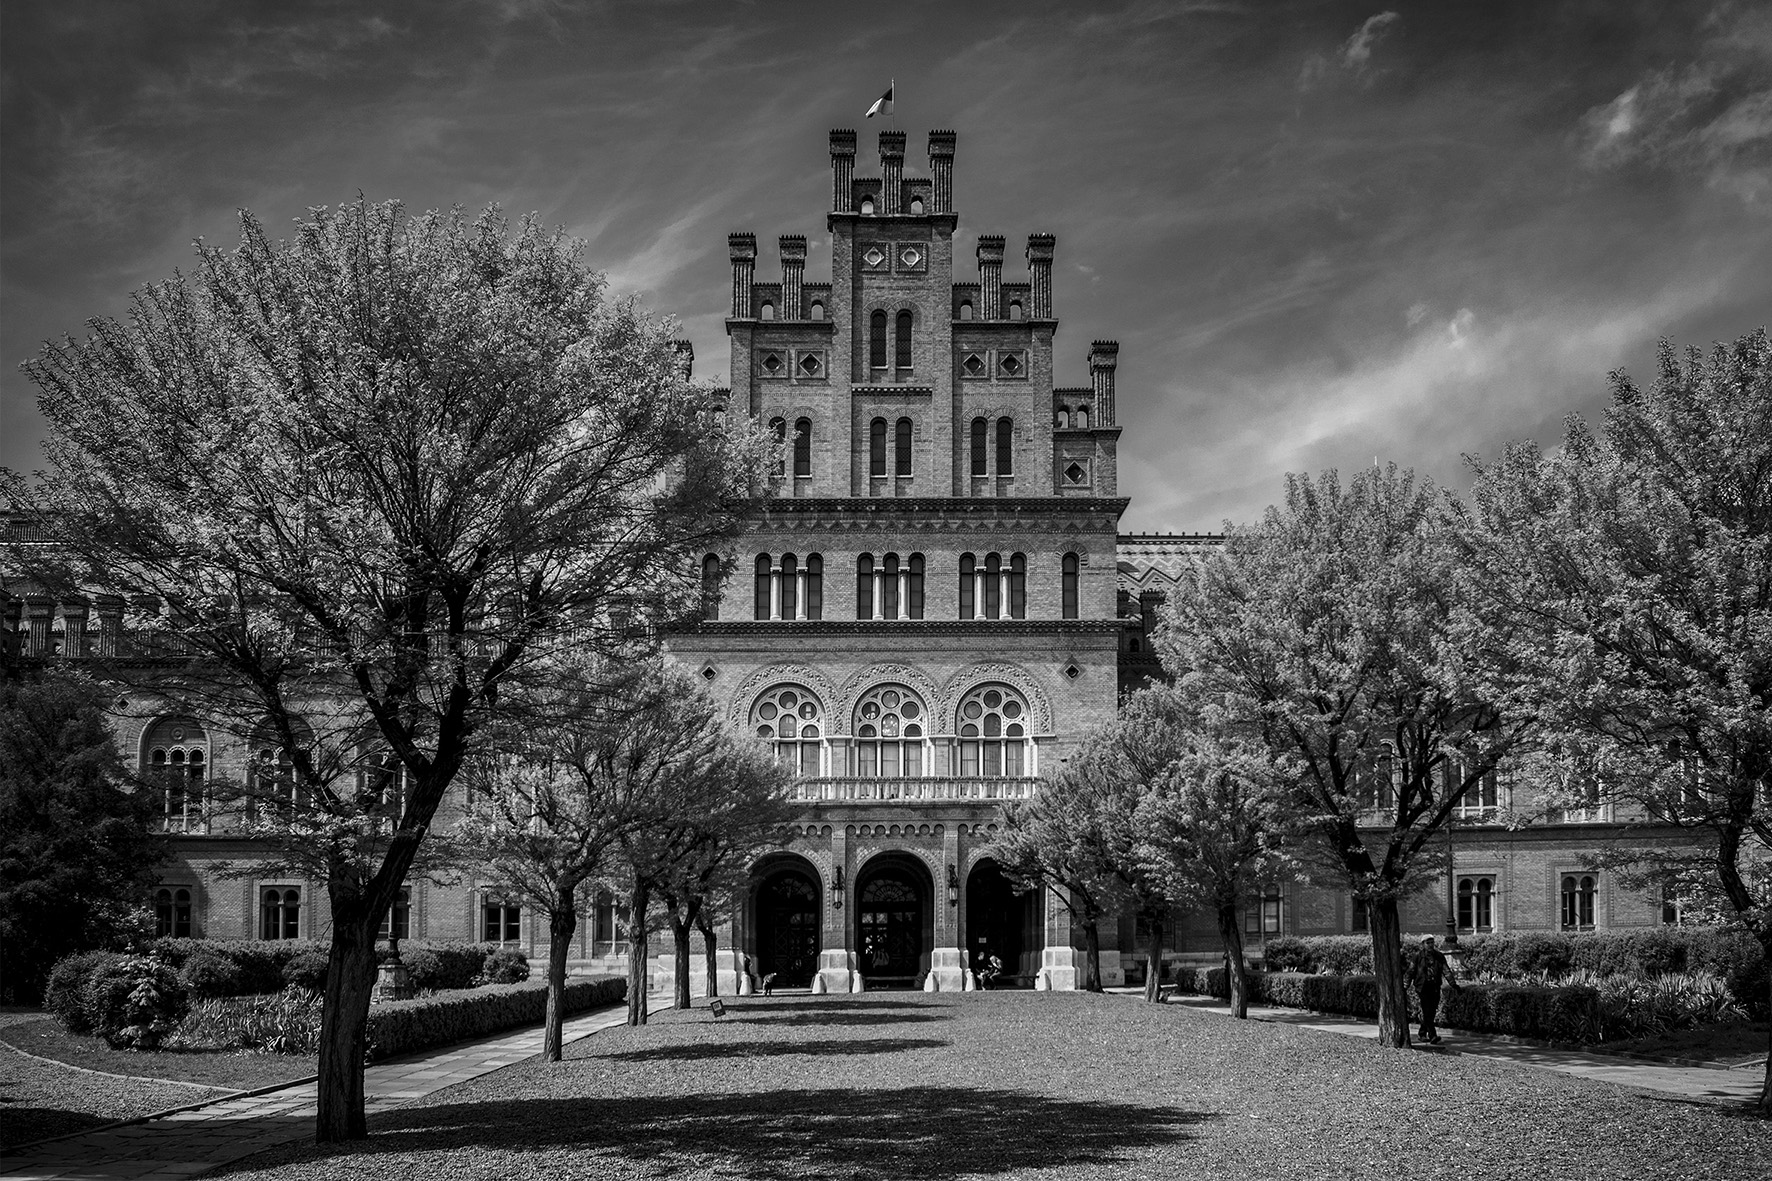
1708 1084
189 1142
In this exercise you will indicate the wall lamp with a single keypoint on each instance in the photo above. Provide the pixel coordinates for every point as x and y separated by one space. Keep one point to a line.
953 886
837 890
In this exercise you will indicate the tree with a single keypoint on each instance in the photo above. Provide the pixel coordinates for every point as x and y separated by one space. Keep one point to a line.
77 842
366 482
1342 631
1634 569
1216 823
1053 840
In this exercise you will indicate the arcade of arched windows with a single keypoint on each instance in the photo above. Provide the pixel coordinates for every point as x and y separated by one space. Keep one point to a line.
893 734
175 755
891 586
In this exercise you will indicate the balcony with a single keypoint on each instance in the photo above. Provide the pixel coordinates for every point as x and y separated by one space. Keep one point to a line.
855 790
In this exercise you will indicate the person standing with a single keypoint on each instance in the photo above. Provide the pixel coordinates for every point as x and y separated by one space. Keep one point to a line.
1429 970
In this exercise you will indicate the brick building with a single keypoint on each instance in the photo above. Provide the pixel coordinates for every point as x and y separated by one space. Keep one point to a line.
928 614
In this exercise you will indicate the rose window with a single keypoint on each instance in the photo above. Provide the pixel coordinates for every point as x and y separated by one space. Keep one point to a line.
791 720
890 723
993 726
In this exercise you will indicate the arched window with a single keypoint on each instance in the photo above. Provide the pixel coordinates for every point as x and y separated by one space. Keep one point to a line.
792 721
1082 419
790 584
1476 904
382 780
890 722
766 311
1015 309
915 587
993 586
1062 419
993 725
968 576
279 913
901 453
779 428
803 447
760 588
877 447
1578 902
1018 586
965 309
176 752
877 340
710 587
867 204
1069 588
272 787
916 205
814 586
864 587
1005 446
816 311
980 440
902 351
889 586
172 912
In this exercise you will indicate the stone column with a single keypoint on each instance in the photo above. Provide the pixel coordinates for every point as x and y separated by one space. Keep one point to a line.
1003 611
947 960
743 250
800 593
941 171
74 630
990 276
891 171
978 577
842 171
774 590
904 590
879 611
1039 256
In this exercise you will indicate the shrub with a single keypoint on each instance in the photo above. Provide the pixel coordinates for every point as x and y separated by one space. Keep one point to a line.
286 1023
1286 955
260 961
423 968
307 970
507 965
405 1027
62 996
1340 954
133 1001
208 975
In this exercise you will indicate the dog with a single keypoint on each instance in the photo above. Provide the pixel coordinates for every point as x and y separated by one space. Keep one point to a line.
769 984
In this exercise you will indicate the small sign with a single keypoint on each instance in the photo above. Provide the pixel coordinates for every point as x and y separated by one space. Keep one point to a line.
717 1008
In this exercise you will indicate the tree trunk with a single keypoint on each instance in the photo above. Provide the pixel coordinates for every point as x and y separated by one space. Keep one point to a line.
1387 966
1764 1109
639 900
1230 932
562 922
708 945
1091 957
350 982
1153 962
682 922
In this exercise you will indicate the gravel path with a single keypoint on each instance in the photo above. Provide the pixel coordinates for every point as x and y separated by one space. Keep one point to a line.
1023 1085
43 1099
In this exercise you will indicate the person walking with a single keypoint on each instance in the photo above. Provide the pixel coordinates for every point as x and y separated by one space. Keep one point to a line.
1429 970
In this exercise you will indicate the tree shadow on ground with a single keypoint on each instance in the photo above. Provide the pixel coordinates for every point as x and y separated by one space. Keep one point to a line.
696 1052
23 1125
937 1133
829 1017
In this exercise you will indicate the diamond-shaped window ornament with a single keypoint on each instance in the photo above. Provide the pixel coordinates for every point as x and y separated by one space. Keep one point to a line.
873 257
973 365
809 364
910 256
772 363
1075 473
1010 364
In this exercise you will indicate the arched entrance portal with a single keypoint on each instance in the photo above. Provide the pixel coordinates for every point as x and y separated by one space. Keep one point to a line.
1001 922
787 925
894 926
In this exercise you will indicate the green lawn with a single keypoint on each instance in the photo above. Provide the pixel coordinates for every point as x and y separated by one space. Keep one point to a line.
1022 1085
232 1070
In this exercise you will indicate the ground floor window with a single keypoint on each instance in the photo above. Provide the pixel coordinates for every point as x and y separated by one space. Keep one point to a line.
1261 916
279 915
172 912
609 925
1362 914
1476 904
1578 902
501 921
397 923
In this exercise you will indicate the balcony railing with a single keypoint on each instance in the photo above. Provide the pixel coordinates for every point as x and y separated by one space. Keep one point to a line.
855 790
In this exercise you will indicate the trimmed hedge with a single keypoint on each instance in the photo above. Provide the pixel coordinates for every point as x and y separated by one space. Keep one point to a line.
264 965
405 1027
1735 957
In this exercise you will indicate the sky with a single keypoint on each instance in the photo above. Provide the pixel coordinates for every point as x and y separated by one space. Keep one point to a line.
1325 234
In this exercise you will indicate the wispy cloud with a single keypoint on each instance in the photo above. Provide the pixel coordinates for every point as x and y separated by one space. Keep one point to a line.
1356 54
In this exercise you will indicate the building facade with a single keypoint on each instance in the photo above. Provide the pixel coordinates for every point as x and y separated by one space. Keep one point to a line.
924 618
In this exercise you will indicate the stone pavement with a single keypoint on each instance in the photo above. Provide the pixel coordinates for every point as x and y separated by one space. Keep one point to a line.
186 1143
1707 1084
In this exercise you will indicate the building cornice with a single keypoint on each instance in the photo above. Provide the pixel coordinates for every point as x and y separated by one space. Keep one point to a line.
903 627
940 506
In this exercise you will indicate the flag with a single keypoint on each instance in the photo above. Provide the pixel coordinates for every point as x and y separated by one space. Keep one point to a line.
883 104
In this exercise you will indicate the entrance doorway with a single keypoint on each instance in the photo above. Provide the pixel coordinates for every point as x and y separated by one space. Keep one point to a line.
787 926
893 925
1001 922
